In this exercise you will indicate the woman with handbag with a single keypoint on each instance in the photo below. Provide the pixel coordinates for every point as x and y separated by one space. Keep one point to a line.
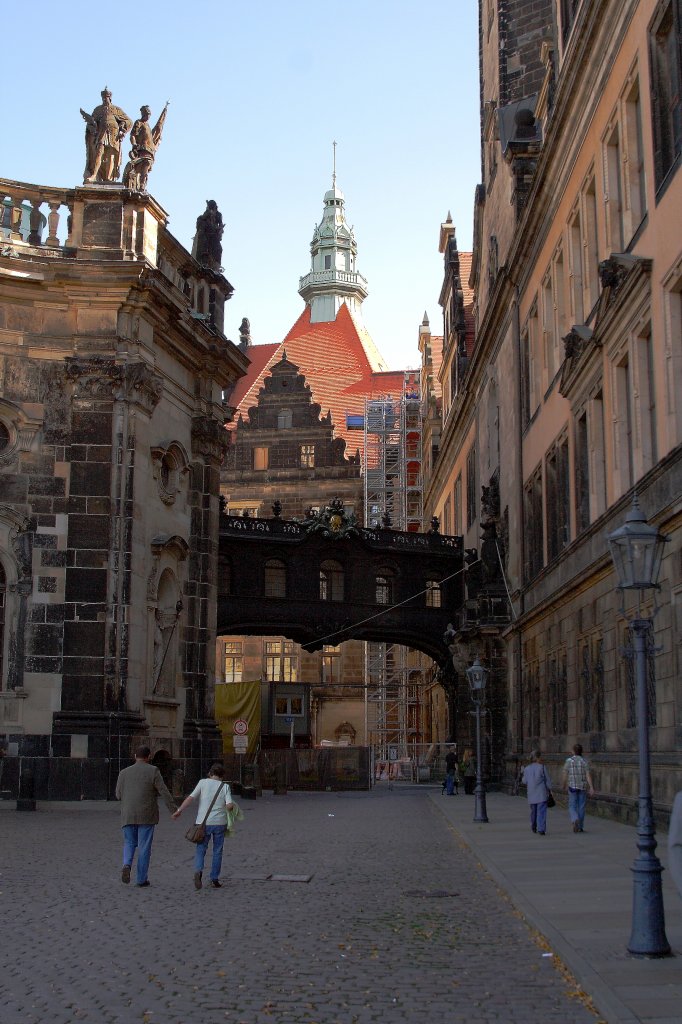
539 791
215 800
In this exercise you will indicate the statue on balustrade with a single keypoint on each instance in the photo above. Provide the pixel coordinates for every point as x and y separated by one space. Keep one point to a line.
105 129
207 248
144 141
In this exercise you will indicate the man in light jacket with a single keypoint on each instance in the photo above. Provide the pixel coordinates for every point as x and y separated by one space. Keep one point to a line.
139 788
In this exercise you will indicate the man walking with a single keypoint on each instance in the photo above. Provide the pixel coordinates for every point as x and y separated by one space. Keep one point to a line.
138 788
577 774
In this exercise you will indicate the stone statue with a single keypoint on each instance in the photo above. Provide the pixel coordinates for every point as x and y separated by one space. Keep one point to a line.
105 128
207 249
144 142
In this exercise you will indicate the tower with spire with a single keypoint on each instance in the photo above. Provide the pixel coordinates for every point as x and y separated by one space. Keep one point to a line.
333 279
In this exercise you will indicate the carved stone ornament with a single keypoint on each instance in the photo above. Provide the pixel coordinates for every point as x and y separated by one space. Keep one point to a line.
18 431
164 544
170 463
331 521
107 380
209 438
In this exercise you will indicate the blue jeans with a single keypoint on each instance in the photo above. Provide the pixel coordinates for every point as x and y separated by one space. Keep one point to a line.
138 837
451 784
538 817
577 799
217 833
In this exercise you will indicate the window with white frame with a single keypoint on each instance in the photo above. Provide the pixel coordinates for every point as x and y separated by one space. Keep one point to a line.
622 423
613 197
433 594
281 661
307 456
331 665
233 661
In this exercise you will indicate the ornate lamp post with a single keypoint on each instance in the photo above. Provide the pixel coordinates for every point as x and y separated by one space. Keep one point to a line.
637 550
477 676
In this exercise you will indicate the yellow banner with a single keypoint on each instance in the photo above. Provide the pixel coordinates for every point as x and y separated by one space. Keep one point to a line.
238 702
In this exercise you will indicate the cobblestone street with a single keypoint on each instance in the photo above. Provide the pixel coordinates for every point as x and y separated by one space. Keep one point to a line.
397 922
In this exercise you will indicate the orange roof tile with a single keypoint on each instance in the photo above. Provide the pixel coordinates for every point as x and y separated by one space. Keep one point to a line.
335 364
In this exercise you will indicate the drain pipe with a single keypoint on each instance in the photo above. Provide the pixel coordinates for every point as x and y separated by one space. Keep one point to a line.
516 329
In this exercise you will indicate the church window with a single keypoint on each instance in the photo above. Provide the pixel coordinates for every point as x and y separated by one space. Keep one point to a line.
275 578
261 458
331 581
307 456
284 419
234 662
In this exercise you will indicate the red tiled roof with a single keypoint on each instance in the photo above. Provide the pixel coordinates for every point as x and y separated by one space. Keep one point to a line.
335 364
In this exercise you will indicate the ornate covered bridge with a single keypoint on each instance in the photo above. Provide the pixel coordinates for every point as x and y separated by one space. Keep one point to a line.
326 579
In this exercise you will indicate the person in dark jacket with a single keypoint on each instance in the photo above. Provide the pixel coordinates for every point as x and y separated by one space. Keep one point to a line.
139 788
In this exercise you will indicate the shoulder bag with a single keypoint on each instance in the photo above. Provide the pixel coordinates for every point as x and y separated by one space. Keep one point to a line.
551 802
197 833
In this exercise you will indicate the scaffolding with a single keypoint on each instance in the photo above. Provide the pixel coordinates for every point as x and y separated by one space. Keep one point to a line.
393 496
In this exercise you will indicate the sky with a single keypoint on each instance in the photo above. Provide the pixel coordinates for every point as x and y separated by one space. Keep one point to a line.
258 92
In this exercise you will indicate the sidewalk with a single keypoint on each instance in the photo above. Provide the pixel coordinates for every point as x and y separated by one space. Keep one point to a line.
577 891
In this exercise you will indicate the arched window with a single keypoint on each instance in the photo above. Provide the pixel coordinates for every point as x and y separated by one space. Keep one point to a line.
3 593
284 419
331 581
275 578
384 586
433 595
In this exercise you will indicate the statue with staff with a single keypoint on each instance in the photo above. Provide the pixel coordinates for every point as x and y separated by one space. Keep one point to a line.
144 142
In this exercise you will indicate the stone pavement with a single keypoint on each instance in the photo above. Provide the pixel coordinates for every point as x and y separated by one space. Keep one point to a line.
577 891
397 922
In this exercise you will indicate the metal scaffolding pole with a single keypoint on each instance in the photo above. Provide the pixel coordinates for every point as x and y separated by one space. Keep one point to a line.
393 496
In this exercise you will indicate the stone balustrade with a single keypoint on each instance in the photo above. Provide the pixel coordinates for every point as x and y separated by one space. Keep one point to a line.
26 211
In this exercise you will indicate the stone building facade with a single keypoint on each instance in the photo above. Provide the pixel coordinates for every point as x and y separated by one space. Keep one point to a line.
568 402
286 456
113 367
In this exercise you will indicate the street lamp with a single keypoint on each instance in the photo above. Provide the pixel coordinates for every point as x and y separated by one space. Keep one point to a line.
477 676
637 550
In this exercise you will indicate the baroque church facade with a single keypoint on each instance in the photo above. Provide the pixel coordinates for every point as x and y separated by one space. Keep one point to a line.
113 371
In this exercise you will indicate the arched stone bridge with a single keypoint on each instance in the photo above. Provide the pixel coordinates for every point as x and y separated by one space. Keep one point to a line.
326 579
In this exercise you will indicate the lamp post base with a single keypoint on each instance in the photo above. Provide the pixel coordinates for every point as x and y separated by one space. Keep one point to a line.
480 810
648 936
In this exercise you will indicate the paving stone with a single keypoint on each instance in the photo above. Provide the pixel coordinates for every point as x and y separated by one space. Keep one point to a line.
352 945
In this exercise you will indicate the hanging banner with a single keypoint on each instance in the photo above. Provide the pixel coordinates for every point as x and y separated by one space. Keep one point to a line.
238 702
